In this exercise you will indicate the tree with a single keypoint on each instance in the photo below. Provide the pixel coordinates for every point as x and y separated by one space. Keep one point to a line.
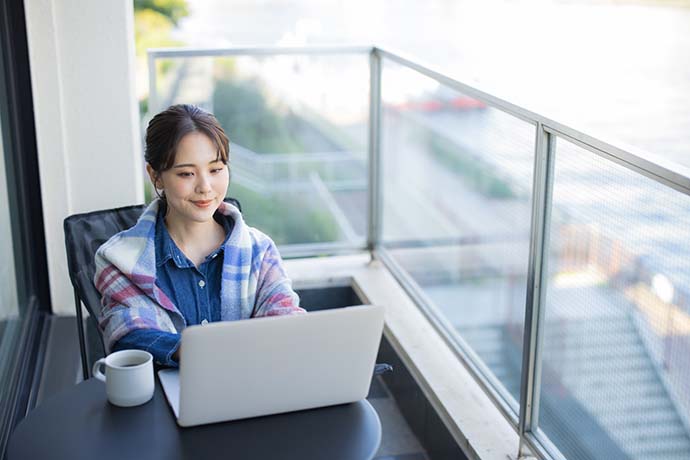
174 10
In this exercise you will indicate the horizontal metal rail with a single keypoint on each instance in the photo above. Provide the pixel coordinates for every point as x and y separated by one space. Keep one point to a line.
652 166
470 240
293 251
659 169
257 51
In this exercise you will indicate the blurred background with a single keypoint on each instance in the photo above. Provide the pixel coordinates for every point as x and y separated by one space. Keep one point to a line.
615 68
458 175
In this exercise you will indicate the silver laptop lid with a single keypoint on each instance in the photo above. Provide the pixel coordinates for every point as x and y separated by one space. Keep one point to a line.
248 368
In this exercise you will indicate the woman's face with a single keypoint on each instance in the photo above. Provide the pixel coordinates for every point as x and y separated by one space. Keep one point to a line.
197 182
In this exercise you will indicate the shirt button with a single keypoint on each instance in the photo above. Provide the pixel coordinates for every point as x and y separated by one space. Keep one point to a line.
202 283
204 322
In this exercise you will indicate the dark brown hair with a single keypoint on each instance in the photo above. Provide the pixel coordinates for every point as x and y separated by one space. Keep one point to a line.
166 130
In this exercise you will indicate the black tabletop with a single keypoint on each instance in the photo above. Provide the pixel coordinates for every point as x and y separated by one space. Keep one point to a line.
80 423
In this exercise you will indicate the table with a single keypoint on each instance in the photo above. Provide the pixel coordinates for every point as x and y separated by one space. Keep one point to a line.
80 423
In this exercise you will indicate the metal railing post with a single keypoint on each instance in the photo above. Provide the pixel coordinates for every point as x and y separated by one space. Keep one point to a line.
537 276
374 185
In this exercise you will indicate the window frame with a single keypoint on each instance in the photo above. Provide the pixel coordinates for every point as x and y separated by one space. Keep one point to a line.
26 218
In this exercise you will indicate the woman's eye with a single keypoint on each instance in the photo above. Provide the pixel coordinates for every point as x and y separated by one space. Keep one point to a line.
217 170
185 174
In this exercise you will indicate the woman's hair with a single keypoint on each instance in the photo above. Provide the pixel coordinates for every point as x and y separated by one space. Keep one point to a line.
166 130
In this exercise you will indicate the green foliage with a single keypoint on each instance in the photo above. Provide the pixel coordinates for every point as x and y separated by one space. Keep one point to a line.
154 21
149 195
479 176
256 122
224 68
174 10
143 106
152 30
283 218
245 115
253 119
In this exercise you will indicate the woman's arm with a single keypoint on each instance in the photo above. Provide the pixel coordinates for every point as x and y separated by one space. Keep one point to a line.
162 345
274 293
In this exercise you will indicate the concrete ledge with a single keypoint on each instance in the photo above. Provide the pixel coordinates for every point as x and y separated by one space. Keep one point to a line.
470 416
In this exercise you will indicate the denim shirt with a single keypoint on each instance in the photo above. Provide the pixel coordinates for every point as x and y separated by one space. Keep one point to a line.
194 290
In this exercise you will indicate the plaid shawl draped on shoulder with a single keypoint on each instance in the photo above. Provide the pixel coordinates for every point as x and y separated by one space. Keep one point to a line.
254 282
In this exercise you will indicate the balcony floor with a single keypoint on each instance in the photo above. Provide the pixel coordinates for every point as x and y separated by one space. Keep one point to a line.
398 442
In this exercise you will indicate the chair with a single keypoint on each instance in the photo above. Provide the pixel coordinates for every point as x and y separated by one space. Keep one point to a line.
84 234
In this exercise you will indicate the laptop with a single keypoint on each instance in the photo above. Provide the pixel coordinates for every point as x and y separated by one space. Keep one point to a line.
270 365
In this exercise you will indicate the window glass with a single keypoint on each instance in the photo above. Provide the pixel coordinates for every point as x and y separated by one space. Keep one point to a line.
298 137
457 180
615 377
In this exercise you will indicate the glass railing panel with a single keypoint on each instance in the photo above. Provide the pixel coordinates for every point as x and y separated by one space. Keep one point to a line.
615 380
298 131
457 180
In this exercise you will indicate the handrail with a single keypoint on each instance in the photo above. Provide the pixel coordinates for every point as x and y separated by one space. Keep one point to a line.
258 51
653 166
650 165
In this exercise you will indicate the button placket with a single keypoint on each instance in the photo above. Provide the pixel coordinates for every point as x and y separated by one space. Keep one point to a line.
203 298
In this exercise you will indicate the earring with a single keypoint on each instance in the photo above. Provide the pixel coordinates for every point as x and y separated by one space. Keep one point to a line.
160 195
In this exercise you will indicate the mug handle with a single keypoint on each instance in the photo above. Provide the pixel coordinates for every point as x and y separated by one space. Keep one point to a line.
97 370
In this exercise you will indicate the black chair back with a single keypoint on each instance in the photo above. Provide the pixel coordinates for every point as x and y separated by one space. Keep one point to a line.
84 234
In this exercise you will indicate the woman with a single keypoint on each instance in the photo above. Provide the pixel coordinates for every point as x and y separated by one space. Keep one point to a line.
190 259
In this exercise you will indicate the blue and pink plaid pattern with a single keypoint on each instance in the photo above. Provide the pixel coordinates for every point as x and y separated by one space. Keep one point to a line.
254 282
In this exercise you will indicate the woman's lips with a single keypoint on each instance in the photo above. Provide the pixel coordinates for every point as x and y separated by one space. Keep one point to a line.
202 204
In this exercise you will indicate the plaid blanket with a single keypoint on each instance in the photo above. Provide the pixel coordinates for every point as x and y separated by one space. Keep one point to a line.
253 284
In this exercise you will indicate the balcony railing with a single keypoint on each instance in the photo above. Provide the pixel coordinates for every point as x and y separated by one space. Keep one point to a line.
555 263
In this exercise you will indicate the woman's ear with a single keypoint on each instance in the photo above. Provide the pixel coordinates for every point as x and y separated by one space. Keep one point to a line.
154 176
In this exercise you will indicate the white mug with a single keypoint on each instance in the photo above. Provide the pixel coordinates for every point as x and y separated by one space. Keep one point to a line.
128 377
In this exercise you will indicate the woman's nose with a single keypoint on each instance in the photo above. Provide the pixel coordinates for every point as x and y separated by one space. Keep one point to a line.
203 184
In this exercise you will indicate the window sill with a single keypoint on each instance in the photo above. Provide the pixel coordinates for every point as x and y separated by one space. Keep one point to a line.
473 420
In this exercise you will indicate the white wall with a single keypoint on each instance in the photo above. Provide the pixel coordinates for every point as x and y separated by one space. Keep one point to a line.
82 75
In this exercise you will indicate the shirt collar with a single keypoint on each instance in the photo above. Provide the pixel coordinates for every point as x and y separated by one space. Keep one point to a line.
166 248
225 221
